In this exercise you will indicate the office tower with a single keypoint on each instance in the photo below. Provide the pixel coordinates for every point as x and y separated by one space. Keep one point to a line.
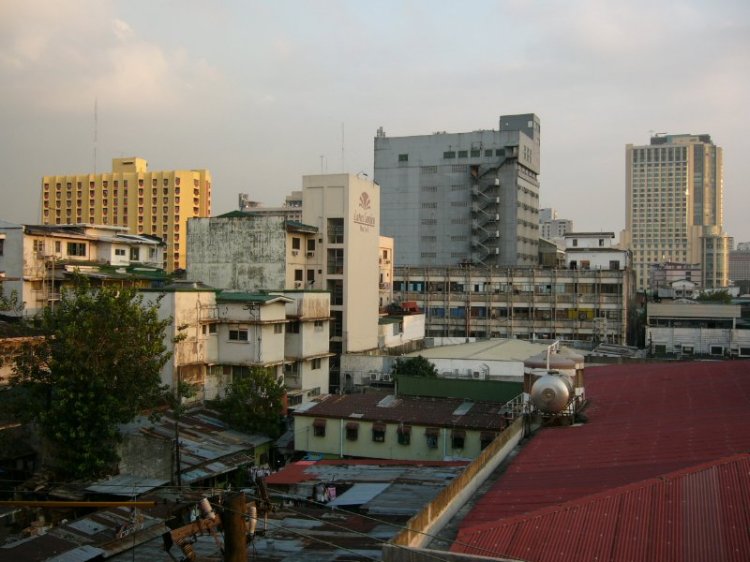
449 199
674 206
155 203
551 227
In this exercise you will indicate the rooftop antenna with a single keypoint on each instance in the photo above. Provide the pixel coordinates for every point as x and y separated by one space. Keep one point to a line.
96 129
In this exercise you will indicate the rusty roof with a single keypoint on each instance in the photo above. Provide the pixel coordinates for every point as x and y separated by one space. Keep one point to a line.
381 406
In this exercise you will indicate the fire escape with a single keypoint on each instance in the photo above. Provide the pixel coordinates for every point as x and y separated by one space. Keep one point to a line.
485 215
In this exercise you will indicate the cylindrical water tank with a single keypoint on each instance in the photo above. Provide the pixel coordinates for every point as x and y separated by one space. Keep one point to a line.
551 393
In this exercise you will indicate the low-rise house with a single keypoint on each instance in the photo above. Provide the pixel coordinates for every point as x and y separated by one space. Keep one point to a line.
38 261
216 336
687 328
594 250
386 426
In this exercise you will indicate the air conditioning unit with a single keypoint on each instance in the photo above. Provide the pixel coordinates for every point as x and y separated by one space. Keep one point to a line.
310 254
298 284
387 378
373 376
295 252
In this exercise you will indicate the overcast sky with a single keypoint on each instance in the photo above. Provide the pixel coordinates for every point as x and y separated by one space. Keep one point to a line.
261 93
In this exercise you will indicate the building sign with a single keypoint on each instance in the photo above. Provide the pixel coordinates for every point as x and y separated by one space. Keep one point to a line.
363 215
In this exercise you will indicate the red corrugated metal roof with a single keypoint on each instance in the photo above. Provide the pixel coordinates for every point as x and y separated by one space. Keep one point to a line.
699 514
304 471
644 421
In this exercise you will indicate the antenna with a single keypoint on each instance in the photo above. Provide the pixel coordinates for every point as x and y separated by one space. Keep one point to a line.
96 129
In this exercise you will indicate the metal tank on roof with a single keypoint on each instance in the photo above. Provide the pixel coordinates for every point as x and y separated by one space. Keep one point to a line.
552 392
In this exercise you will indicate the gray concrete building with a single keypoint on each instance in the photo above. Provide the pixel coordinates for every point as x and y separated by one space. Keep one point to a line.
458 198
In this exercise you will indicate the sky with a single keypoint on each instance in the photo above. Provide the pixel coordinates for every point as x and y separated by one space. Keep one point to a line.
262 93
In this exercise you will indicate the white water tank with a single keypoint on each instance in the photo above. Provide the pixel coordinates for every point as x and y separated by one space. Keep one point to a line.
552 392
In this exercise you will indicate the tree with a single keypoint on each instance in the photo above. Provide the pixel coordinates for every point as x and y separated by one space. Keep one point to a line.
719 297
99 367
415 366
253 403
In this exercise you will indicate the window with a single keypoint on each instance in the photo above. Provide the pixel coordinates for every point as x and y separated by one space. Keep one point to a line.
717 350
76 249
352 431
119 251
485 438
318 324
463 153
278 328
458 438
316 364
292 328
296 243
475 153
39 246
403 157
319 428
614 264
135 254
2 246
335 231
237 334
212 328
58 246
431 436
310 245
449 154
378 432
298 275
404 434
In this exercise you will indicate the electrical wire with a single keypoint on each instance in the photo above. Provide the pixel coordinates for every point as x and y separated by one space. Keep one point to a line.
213 489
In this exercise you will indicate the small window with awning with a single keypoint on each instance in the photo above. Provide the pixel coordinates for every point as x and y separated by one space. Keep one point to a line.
378 432
352 431
458 438
431 436
404 434
319 427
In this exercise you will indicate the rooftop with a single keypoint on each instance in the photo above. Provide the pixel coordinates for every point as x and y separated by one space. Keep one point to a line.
381 406
488 350
689 514
645 422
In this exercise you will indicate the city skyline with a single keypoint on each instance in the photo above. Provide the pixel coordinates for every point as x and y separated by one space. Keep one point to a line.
264 94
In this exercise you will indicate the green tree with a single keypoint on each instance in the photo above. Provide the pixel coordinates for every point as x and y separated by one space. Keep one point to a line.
253 403
719 297
99 367
415 366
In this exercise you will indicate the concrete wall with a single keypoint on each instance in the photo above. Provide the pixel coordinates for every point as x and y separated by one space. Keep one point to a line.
419 529
244 253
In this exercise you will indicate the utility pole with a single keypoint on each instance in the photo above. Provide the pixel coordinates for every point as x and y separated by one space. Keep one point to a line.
233 519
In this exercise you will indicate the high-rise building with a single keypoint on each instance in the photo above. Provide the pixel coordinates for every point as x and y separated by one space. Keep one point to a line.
458 198
553 228
154 203
674 206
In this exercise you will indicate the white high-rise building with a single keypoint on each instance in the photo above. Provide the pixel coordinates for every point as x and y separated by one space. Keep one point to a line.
674 206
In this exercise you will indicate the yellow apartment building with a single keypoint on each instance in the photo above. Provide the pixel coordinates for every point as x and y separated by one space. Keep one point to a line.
147 202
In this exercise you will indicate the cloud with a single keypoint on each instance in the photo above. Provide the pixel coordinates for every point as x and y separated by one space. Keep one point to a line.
57 57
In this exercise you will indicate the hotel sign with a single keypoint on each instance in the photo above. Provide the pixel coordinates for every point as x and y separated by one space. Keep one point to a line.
363 215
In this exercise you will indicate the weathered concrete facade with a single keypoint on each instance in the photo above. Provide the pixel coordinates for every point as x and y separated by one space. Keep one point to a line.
242 252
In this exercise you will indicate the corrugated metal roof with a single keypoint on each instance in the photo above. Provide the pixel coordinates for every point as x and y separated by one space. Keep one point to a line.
80 554
699 513
645 420
126 485
359 494
408 409
488 350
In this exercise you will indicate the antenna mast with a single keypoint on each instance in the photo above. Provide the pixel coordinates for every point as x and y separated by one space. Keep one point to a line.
96 129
